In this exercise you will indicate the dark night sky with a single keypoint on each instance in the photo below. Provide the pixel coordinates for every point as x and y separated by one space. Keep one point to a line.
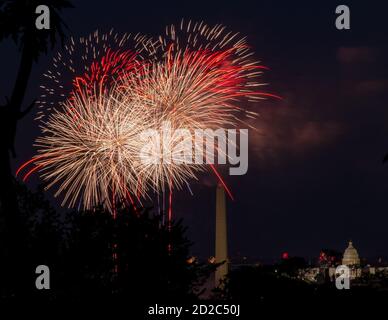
315 176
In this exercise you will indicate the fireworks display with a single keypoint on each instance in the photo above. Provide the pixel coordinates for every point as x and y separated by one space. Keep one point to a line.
89 63
90 150
192 77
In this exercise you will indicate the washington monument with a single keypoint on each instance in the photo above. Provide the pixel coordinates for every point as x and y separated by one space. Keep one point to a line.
221 235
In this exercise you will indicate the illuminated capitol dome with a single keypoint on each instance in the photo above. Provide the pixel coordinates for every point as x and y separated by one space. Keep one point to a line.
350 256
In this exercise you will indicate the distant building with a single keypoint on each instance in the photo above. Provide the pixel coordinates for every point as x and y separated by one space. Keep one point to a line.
221 236
351 257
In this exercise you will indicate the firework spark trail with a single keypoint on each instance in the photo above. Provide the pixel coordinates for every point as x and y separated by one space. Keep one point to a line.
97 60
195 77
82 117
198 79
90 157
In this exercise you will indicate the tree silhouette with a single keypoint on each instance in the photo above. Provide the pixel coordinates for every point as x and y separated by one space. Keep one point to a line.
262 284
93 256
132 256
17 21
42 239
